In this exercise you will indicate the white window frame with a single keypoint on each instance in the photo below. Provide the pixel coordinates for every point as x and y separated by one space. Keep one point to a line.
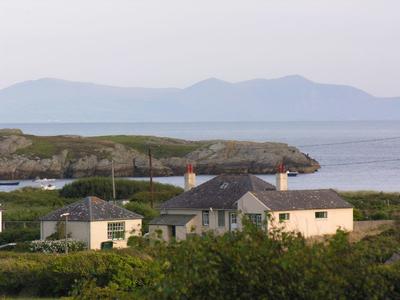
284 217
256 219
221 218
205 217
116 231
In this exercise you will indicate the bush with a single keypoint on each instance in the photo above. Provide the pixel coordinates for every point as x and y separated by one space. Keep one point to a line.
56 246
145 210
16 235
102 187
59 275
28 204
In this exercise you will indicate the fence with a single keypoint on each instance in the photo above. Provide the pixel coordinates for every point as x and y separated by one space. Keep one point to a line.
362 226
20 224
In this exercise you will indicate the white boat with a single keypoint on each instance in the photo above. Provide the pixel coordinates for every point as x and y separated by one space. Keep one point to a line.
292 173
45 180
48 187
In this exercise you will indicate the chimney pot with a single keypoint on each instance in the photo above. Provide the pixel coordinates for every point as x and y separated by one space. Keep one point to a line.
190 178
281 178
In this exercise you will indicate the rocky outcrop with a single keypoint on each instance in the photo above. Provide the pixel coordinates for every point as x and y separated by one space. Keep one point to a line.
244 157
23 157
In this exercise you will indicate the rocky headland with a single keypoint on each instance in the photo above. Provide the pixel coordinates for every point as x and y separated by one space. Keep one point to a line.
25 156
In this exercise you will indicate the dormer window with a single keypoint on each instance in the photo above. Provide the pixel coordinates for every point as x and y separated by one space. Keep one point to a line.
224 185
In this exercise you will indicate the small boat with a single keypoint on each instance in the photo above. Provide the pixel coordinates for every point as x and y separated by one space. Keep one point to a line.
292 173
48 187
44 180
9 183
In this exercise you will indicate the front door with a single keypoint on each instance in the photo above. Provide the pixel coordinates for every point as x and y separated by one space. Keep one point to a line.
233 221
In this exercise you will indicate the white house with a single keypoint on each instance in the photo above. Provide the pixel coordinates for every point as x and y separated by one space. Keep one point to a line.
221 203
93 221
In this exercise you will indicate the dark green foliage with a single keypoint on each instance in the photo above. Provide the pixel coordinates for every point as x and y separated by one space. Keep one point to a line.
102 187
373 205
145 210
240 265
19 235
55 275
248 265
28 204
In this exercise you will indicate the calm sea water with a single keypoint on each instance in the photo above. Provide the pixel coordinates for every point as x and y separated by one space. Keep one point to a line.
348 175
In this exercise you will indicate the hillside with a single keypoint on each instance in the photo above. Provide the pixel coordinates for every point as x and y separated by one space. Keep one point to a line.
26 156
283 99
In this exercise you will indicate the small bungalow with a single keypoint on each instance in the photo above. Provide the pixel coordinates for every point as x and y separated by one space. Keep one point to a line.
93 221
221 203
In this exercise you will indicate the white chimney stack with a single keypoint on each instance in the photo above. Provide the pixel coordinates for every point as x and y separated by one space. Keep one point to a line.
190 178
281 178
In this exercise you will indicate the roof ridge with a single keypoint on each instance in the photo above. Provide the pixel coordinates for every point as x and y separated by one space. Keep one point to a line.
90 208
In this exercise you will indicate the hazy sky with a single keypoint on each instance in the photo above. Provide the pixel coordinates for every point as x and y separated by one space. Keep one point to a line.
178 42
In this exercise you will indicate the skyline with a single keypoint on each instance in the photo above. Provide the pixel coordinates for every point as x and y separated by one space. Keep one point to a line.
174 44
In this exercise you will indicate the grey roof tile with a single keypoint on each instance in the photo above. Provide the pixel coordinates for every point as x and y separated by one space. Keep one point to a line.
176 220
301 199
221 192
91 209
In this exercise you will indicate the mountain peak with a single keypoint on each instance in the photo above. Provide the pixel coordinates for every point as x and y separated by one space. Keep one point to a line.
295 78
211 82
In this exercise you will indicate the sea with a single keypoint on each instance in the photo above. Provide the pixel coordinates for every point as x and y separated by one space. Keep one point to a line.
354 155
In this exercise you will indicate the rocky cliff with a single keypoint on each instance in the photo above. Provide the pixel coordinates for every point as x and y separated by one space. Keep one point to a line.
26 156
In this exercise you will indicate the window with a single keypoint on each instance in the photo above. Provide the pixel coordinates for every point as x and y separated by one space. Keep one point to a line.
116 230
255 219
221 218
206 218
284 217
224 185
321 214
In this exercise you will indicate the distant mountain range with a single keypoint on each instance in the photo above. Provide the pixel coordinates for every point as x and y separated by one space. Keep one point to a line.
290 98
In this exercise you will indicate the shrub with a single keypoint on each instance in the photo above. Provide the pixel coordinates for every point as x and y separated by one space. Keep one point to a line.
145 210
50 275
56 246
19 235
102 187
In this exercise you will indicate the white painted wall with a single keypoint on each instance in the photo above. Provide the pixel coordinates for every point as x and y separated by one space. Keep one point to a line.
302 221
197 222
92 233
78 230
98 232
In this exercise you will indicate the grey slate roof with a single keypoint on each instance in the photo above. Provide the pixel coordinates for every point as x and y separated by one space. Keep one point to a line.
91 209
221 192
176 220
301 199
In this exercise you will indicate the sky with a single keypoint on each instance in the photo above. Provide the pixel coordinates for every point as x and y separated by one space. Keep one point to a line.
175 43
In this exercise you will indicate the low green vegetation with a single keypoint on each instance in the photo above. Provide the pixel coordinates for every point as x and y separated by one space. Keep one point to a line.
145 210
47 146
161 147
28 204
137 190
374 205
239 265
